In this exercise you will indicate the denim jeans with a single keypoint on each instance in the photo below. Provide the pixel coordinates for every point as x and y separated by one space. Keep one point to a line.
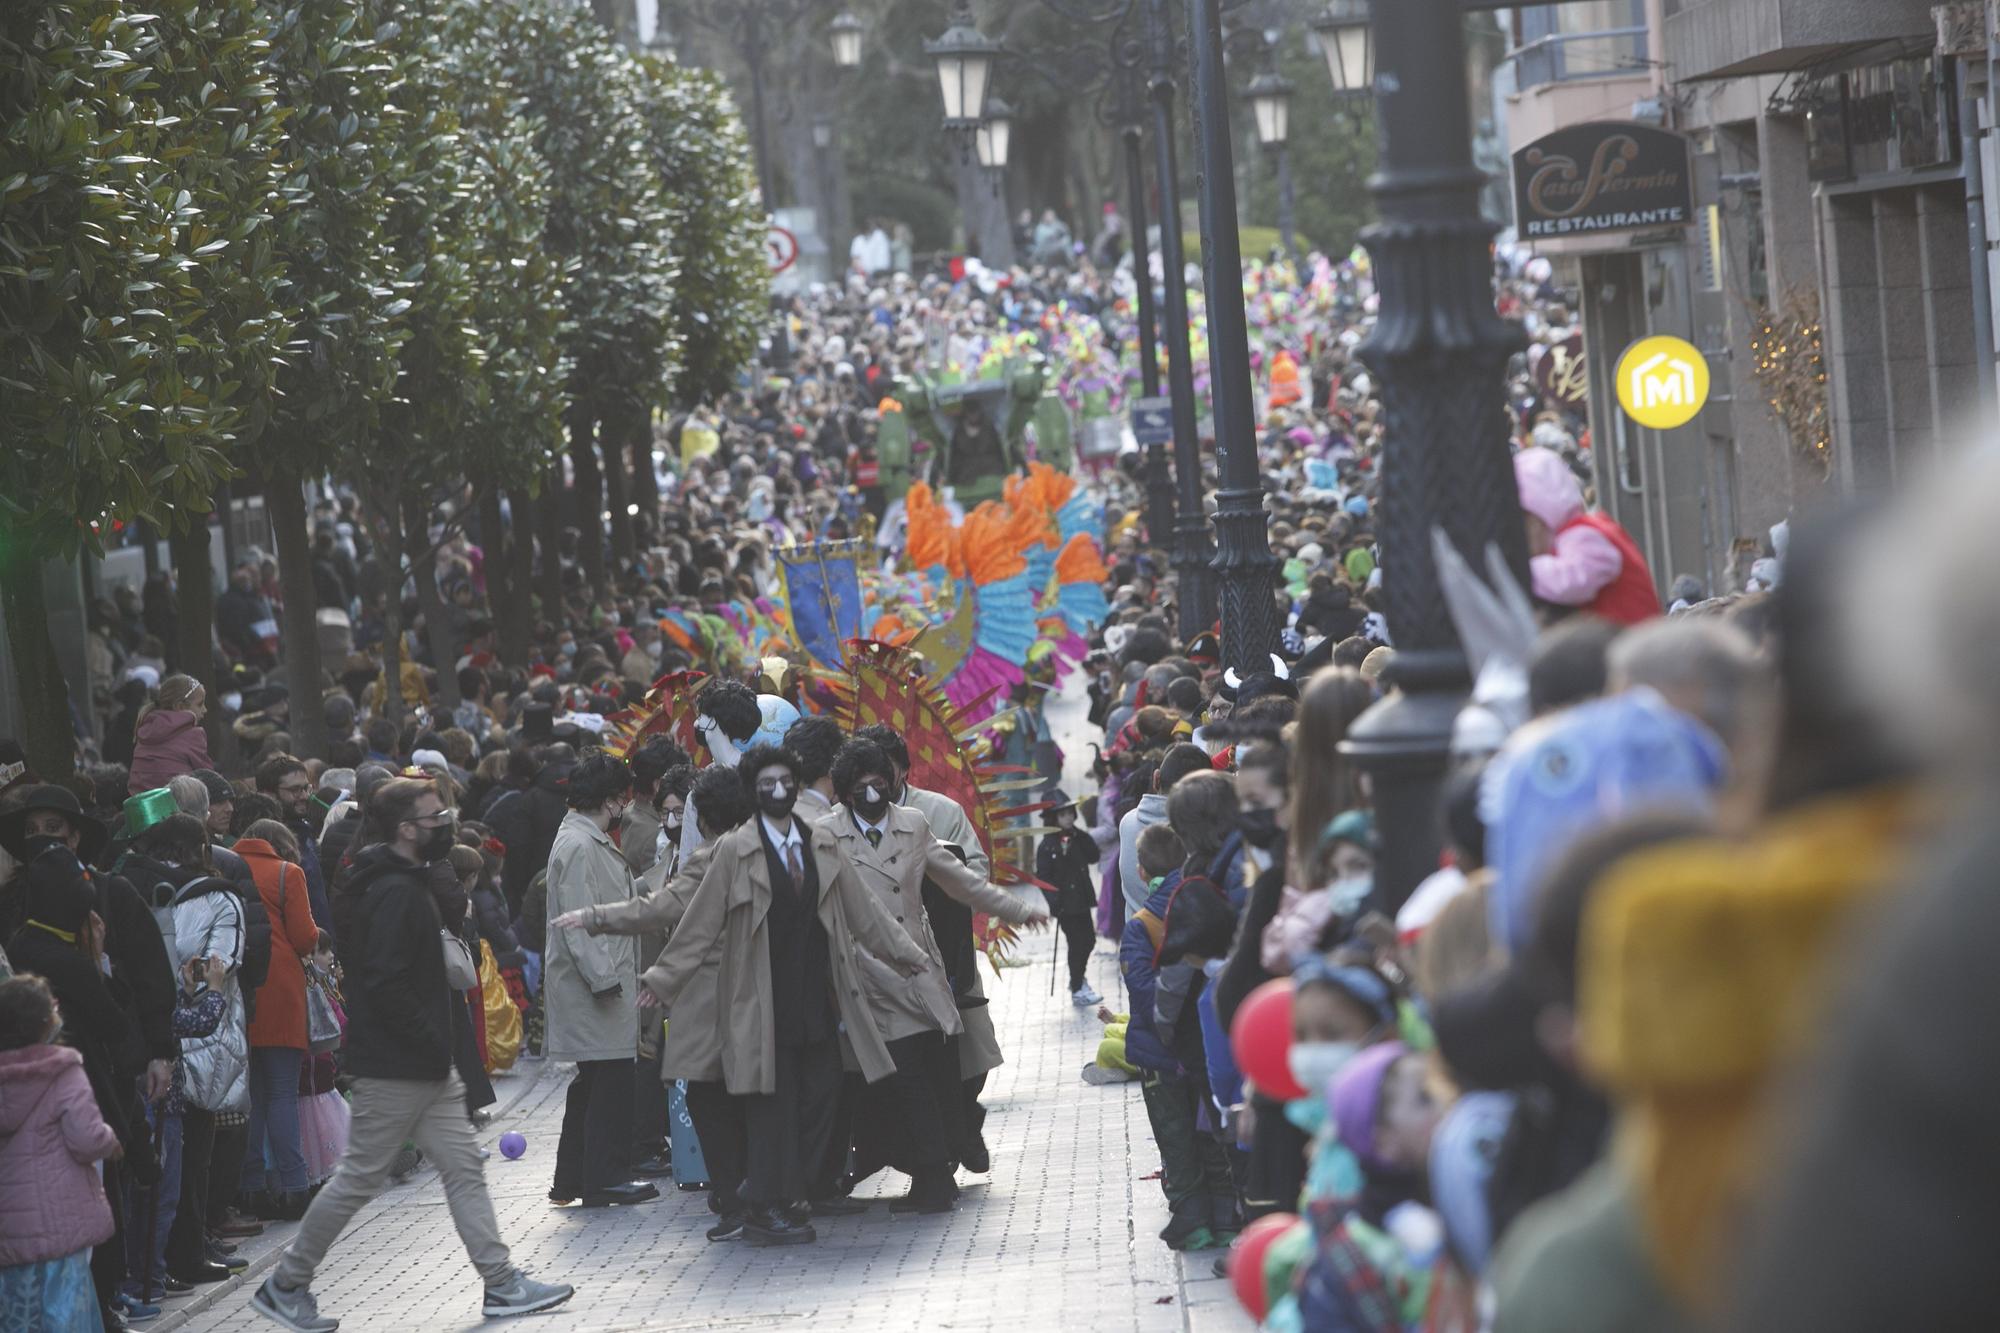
139 1206
274 1120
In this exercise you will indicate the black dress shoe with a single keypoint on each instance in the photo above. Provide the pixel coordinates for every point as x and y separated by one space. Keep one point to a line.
773 1226
198 1273
976 1159
173 1286
632 1191
932 1192
657 1165
836 1206
559 1199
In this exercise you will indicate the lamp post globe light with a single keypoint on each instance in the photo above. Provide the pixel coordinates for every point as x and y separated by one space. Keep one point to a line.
1347 40
1439 351
991 139
1270 95
846 31
822 131
964 58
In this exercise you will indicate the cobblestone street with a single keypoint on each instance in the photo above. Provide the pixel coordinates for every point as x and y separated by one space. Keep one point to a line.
1061 1235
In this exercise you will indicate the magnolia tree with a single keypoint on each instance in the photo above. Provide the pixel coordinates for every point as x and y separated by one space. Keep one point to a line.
140 316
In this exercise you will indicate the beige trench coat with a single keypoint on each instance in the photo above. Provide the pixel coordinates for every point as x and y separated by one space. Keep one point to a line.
585 870
979 1045
895 872
729 909
694 1025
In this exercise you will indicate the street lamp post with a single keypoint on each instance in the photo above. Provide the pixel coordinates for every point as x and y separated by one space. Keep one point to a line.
846 31
1245 564
1438 350
1192 549
1271 109
1131 130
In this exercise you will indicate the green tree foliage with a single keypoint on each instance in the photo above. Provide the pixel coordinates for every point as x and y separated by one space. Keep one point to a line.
703 159
608 221
139 313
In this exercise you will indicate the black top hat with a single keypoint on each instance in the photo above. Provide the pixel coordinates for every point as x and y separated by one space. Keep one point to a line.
48 796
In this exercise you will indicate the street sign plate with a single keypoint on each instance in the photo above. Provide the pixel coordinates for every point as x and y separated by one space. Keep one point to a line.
782 247
1153 420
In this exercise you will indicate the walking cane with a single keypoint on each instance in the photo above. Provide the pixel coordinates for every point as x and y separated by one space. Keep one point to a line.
153 1202
1055 956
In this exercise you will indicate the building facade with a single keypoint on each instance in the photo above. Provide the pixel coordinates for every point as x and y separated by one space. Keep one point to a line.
1832 268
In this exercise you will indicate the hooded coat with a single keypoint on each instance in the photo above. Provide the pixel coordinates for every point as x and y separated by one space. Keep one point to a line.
51 1138
167 743
1593 563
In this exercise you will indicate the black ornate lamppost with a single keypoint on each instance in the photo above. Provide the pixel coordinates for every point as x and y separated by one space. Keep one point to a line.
1132 57
1244 565
1439 351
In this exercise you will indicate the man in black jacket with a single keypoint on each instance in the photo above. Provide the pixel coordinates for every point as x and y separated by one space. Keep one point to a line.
527 824
399 1051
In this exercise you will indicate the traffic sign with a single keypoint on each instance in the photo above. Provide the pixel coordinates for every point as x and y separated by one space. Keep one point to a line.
1153 420
1662 382
783 248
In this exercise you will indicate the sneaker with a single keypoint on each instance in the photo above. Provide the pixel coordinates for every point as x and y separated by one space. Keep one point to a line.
1083 997
296 1310
1097 1075
521 1294
729 1228
135 1310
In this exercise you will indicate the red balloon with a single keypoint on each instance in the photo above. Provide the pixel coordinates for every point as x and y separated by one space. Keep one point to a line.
1246 1259
1261 1036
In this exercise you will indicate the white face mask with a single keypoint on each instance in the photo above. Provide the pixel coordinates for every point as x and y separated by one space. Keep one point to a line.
1314 1063
1349 892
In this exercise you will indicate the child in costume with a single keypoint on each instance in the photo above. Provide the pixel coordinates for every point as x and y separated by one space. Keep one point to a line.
323 1112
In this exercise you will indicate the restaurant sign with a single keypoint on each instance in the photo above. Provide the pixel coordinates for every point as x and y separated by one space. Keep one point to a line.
1602 176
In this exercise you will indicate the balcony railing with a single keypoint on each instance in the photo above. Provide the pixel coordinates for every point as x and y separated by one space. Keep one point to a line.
1564 56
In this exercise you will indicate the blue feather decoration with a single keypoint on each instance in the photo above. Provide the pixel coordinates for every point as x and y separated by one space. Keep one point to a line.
1006 612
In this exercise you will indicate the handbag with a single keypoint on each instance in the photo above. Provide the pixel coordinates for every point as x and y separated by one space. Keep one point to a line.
323 1023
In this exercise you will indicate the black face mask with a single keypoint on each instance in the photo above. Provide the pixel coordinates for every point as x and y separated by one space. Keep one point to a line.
35 846
438 841
778 804
871 801
1260 829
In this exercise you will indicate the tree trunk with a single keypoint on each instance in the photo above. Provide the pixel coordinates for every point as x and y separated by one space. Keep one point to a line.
437 627
645 485
617 486
284 494
194 576
589 492
389 550
548 533
506 572
45 729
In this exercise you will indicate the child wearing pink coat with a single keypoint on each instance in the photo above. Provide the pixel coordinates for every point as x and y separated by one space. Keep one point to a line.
53 1210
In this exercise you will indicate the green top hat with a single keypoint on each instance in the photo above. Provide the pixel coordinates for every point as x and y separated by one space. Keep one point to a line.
147 809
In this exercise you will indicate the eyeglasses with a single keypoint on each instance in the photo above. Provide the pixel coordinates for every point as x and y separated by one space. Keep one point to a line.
437 820
293 788
774 786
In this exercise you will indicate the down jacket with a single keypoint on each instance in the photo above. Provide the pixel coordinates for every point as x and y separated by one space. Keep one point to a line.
51 1137
210 920
167 743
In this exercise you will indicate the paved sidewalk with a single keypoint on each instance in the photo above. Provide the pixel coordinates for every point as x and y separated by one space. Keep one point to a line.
1062 1235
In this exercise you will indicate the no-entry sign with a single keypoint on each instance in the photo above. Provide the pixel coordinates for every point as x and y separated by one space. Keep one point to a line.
783 248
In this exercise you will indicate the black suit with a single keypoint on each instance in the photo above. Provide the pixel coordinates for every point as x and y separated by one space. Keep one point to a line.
788 1129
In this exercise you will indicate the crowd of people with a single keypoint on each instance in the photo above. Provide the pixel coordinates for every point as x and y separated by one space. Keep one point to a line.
251 988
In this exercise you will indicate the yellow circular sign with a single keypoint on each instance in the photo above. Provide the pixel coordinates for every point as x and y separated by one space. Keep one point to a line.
1662 382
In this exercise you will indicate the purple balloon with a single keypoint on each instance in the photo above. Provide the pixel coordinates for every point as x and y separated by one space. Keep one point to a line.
512 1144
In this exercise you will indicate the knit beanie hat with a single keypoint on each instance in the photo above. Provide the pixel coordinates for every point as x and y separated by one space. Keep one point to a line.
1356 1096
